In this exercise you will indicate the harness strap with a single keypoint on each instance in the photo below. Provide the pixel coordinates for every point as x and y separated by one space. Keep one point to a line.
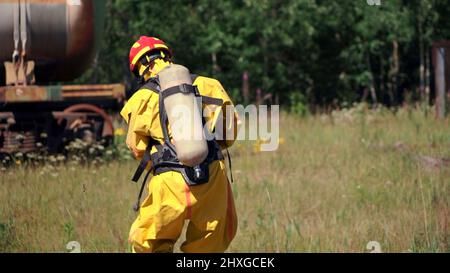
211 100
164 120
164 158
138 202
151 85
183 88
144 162
229 164
206 99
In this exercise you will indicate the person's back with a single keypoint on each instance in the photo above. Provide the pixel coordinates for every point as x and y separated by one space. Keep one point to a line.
176 194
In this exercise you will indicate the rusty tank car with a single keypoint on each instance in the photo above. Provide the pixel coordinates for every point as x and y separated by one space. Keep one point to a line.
43 42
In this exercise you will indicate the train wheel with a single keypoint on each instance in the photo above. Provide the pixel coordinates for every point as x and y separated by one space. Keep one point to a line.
85 125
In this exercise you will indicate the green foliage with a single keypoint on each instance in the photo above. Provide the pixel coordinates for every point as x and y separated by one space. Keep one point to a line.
332 50
299 105
8 238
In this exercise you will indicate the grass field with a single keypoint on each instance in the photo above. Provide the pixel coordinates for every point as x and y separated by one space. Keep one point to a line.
336 183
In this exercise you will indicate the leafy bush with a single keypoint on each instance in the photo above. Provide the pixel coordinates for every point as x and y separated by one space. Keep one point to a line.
299 105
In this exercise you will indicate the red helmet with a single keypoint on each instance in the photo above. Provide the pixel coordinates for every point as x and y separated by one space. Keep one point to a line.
144 45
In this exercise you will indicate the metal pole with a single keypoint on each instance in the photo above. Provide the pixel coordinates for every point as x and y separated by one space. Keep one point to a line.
440 82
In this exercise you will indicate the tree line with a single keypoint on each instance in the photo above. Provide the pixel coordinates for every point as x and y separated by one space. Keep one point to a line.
317 53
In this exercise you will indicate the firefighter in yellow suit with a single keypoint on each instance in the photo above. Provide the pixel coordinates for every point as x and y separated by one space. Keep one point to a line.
209 207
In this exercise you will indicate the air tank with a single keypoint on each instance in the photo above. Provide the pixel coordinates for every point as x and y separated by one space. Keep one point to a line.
61 36
184 116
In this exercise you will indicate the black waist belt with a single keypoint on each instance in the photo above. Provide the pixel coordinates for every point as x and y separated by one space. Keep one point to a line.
165 160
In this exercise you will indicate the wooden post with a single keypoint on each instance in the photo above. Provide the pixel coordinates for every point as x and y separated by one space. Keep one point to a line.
245 87
440 81
258 96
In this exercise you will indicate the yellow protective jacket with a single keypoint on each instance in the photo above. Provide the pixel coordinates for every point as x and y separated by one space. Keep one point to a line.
141 113
209 207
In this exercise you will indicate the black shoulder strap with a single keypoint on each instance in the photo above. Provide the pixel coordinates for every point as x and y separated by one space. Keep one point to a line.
152 85
141 168
206 99
229 164
144 161
164 121
183 88
211 100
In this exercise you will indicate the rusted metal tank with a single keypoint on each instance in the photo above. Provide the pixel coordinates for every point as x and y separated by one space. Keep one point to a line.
60 36
52 41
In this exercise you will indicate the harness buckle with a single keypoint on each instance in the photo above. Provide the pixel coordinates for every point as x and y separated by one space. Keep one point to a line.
184 88
199 174
166 154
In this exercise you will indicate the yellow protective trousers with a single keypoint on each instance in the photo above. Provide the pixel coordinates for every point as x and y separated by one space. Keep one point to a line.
209 208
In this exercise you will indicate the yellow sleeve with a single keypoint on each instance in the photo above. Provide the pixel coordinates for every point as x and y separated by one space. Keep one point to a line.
136 114
214 88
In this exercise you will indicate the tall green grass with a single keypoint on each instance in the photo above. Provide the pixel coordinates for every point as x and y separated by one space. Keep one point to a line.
336 183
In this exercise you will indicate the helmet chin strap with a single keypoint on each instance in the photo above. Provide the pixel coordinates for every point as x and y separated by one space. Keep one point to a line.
145 63
145 76
147 72
158 65
150 64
